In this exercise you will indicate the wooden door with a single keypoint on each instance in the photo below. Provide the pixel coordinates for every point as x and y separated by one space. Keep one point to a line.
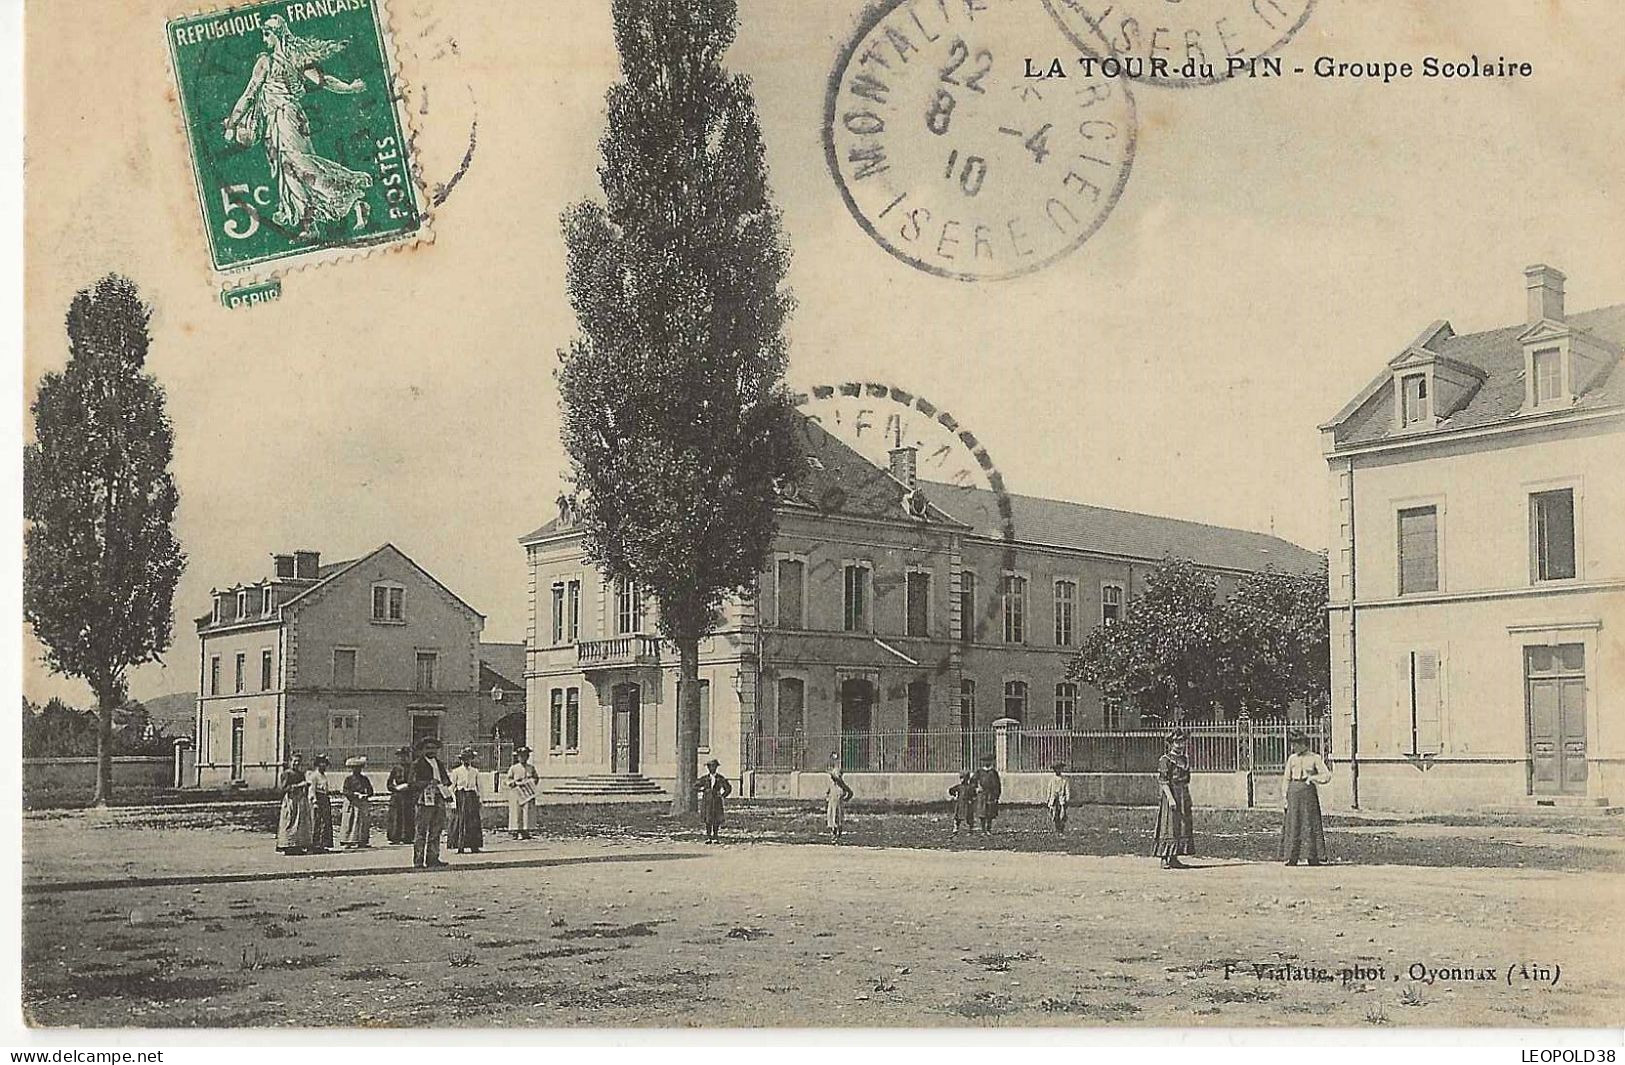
238 741
1555 686
624 729
857 709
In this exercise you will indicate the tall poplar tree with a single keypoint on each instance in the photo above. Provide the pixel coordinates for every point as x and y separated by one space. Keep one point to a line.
676 417
100 561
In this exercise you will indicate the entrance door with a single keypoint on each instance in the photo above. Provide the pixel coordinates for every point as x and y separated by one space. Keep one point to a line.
238 740
857 720
1555 682
625 726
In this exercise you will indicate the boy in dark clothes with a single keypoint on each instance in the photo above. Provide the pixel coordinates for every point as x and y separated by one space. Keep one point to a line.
964 796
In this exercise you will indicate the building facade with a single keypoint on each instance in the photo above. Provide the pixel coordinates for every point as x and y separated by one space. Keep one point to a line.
1478 575
354 657
895 617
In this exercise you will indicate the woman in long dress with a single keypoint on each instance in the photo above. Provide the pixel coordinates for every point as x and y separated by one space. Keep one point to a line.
311 190
1302 833
293 829
356 827
466 832
321 806
835 800
1174 831
402 796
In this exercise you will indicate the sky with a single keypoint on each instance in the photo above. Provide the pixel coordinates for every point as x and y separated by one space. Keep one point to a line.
1277 242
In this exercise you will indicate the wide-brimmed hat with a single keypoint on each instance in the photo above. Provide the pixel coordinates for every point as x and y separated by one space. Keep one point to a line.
517 751
1058 766
468 752
428 741
988 759
1297 736
403 752
355 763
712 764
321 759
1178 735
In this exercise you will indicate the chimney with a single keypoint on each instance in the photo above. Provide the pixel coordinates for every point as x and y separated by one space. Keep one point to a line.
1545 284
306 564
284 566
902 464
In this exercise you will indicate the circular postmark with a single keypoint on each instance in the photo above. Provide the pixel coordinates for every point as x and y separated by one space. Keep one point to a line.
1183 45
956 163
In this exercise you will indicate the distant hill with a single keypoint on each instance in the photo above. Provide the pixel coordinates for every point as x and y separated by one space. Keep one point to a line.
174 713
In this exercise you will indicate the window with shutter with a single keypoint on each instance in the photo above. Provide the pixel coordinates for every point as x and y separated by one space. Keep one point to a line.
1422 691
1418 550
790 593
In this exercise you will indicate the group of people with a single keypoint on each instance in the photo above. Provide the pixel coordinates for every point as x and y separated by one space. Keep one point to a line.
427 800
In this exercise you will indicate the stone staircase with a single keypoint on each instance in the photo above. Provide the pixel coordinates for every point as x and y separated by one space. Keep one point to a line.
606 785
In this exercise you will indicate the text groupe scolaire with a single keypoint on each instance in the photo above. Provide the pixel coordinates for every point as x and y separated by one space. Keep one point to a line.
1324 67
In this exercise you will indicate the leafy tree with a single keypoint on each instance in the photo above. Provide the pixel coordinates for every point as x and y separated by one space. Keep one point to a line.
676 417
101 561
1179 651
57 730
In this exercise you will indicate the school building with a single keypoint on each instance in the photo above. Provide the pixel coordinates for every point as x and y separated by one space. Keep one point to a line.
897 620
1478 575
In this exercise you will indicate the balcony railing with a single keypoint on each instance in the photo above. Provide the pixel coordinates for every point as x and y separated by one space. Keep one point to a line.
620 651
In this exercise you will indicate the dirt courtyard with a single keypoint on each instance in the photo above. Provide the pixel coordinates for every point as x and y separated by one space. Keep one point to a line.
619 917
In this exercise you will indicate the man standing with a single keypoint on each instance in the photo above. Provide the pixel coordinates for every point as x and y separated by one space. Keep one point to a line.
522 778
713 789
1057 797
431 784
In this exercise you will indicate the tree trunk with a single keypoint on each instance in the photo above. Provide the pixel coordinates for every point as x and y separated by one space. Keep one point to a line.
684 800
104 749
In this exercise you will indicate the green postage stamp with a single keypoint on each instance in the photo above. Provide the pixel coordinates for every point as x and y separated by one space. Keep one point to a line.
297 139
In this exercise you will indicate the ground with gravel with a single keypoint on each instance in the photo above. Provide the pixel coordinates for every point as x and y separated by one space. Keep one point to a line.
619 916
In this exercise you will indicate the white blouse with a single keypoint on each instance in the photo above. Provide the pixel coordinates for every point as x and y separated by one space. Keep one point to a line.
465 778
1307 766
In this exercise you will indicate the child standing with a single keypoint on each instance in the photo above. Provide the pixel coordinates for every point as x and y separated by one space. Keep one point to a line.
964 796
838 796
1057 796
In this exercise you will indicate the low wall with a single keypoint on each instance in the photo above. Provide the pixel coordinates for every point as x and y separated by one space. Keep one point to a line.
1429 787
66 776
1226 790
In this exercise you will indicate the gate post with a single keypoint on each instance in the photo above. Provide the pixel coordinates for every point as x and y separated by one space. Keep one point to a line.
1244 743
1003 728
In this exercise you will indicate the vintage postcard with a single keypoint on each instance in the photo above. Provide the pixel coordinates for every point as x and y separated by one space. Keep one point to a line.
1098 515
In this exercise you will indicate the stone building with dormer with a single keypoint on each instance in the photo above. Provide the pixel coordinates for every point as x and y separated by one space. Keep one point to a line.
343 658
1478 573
897 620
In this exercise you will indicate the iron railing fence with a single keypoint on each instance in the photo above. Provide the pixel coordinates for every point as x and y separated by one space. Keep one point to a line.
380 756
1246 744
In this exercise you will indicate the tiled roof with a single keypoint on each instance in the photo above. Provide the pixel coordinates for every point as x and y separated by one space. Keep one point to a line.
1499 354
1081 527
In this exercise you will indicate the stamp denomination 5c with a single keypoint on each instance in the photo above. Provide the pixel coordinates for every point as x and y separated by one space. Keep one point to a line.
297 142
955 163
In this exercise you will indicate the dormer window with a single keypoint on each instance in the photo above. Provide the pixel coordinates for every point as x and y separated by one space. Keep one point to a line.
268 604
219 608
1546 366
242 604
1414 397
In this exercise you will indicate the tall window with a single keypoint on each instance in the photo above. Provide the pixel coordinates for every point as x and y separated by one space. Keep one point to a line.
1015 699
1551 535
628 607
1066 704
791 574
1424 699
1548 367
572 719
425 671
855 598
555 720
1418 550
1015 608
1415 388
967 705
425 726
919 706
967 606
214 675
558 612
919 603
242 604
1066 598
792 705
268 601
344 668
388 602
242 672
1111 712
705 714
572 619
1111 603
265 671
219 609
